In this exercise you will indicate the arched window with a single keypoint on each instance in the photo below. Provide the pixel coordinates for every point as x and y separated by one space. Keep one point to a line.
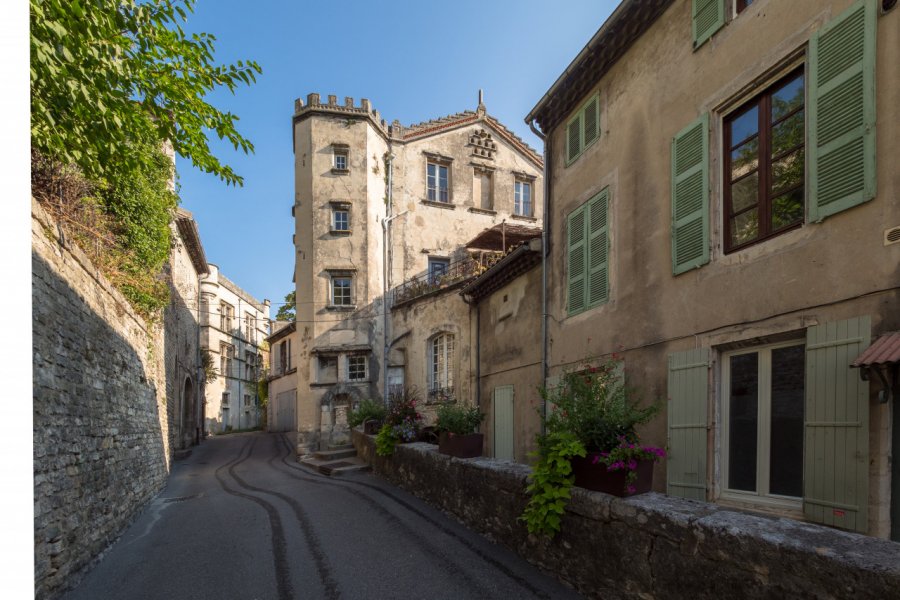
441 379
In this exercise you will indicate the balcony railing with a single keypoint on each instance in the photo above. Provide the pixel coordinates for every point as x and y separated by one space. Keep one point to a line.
455 272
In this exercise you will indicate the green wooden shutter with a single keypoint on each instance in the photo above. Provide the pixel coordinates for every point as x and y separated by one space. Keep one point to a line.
707 17
573 140
504 434
842 112
690 197
836 450
598 247
591 120
688 397
577 274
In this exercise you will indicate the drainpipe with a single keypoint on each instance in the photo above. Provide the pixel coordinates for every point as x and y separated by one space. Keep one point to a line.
199 406
477 355
545 246
386 259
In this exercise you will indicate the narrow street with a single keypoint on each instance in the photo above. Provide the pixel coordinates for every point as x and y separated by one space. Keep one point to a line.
241 519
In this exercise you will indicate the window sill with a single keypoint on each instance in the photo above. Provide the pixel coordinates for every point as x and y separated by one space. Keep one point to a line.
482 211
341 231
523 218
323 383
336 171
336 308
445 205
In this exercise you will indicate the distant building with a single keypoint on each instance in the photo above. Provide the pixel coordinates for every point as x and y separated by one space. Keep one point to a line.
282 377
377 206
233 327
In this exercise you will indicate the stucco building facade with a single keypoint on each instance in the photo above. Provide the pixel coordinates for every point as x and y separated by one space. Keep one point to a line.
721 211
378 205
233 327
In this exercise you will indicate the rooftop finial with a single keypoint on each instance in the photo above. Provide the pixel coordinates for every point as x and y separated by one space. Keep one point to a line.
481 110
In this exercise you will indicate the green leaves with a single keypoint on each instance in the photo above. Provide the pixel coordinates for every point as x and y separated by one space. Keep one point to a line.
551 482
112 72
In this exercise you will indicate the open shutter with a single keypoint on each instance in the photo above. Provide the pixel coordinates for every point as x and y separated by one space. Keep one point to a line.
598 247
591 120
688 396
690 197
842 112
573 138
836 449
577 267
707 17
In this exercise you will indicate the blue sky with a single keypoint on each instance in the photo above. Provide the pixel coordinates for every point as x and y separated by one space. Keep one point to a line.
413 60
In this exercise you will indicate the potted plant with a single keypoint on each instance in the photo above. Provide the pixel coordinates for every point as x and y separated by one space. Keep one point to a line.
401 423
456 426
590 441
369 414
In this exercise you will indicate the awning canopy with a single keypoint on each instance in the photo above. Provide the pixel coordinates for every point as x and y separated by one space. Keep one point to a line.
885 351
503 236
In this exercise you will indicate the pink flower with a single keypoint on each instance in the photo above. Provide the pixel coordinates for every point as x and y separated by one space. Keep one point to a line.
631 489
632 464
596 460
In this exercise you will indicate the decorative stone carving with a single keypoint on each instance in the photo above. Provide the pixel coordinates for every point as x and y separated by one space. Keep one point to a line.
482 144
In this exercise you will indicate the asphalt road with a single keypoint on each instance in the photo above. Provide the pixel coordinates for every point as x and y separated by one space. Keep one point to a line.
241 519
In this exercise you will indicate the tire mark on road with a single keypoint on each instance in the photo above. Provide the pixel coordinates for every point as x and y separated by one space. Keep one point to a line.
279 542
306 475
323 567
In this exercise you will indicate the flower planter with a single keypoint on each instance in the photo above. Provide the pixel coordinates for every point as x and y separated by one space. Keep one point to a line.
461 446
596 476
371 427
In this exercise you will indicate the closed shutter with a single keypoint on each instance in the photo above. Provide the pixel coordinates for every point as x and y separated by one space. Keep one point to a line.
591 121
576 274
573 140
688 394
842 112
707 17
690 197
504 445
598 246
836 449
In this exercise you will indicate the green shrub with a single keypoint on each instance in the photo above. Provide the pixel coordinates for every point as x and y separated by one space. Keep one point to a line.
386 440
458 419
367 410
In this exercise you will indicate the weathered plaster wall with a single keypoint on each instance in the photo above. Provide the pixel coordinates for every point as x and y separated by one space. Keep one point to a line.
647 546
511 355
836 269
101 440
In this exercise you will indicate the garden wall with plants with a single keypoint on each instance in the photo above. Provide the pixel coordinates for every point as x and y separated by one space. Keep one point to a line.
650 545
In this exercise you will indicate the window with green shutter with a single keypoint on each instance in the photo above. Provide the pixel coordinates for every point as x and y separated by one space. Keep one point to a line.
842 112
690 196
588 254
688 392
583 129
707 17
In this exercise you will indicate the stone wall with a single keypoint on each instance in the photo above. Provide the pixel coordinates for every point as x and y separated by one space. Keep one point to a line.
100 445
652 545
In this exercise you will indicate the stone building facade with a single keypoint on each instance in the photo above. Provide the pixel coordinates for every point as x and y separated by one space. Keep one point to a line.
377 205
183 360
234 326
282 378
720 172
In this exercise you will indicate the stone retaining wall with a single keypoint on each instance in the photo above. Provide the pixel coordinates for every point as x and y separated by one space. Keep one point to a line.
100 444
652 545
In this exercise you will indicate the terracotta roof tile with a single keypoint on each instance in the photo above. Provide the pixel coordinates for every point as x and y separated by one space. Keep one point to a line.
885 350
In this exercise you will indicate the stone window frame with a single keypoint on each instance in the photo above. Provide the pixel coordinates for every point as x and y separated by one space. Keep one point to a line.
226 399
327 357
226 359
340 207
249 327
438 161
482 171
340 153
335 275
226 316
361 361
441 365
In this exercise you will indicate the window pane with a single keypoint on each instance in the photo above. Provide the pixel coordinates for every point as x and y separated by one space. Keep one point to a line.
787 209
745 125
745 227
742 423
745 158
787 172
442 183
786 460
788 134
744 193
432 183
787 98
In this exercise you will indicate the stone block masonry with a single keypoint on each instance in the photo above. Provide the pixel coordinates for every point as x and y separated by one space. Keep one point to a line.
652 545
100 446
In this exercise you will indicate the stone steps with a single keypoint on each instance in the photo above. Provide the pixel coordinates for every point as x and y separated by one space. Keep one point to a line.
335 453
335 461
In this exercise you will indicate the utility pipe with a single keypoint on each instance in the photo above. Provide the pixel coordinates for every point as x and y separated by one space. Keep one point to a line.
545 250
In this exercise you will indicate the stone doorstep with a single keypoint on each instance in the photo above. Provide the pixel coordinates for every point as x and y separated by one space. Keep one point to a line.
335 453
333 467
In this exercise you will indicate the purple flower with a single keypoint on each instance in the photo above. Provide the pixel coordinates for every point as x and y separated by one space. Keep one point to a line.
632 464
631 489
